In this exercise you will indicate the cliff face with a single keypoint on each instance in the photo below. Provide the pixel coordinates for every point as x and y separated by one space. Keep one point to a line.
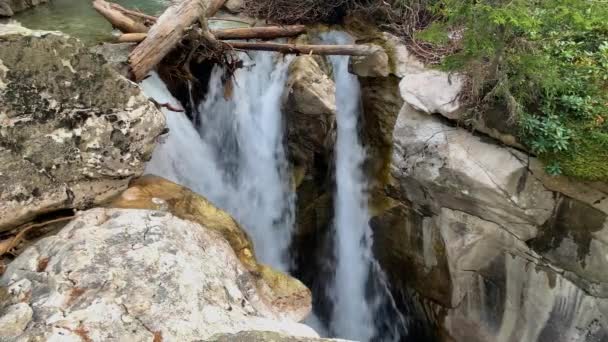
496 249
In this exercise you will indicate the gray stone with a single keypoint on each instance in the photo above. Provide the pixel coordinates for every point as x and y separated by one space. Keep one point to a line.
72 130
14 319
10 7
264 336
234 6
139 275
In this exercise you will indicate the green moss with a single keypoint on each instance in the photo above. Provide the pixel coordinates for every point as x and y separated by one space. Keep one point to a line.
436 33
588 160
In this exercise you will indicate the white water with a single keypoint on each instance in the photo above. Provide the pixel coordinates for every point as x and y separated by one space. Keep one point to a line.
356 311
236 159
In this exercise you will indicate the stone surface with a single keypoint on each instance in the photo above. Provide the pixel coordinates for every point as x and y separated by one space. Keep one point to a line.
10 7
14 319
375 65
497 249
288 295
309 107
234 6
266 336
138 275
117 55
72 130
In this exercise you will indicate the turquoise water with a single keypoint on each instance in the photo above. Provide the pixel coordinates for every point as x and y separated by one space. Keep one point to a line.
78 18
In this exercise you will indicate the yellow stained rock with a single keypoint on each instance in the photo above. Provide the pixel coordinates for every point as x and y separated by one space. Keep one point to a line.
285 294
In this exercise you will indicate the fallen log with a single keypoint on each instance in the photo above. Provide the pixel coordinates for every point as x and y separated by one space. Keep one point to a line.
118 19
346 50
268 32
131 37
133 13
169 30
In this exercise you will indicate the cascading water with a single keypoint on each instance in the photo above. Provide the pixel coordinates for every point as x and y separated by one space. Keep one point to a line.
359 292
236 159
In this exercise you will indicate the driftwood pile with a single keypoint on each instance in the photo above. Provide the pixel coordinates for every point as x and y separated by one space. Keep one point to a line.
184 25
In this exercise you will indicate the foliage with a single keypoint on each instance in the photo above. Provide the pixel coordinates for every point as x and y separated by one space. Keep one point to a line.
547 62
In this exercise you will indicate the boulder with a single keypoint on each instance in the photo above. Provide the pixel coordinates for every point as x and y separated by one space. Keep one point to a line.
234 6
288 295
310 109
72 130
136 275
375 65
9 7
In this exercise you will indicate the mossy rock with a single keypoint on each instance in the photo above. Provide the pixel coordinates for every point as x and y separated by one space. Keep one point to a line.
280 291
156 193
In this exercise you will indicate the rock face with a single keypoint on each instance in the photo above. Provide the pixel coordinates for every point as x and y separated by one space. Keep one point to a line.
136 275
310 110
506 252
72 131
10 7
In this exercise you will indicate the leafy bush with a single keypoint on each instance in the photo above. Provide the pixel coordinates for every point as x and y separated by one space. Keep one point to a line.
548 62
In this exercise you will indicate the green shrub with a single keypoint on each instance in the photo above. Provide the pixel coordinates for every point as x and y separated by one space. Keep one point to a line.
548 62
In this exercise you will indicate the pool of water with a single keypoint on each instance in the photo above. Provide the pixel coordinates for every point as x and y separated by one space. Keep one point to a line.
78 18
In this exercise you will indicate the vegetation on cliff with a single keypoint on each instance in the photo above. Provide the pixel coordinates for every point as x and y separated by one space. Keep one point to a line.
545 61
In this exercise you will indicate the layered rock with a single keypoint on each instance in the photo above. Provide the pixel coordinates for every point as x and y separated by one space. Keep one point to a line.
137 275
72 130
497 249
9 7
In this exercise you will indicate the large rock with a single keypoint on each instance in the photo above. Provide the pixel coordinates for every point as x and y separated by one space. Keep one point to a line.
497 248
10 7
136 275
288 295
310 110
72 131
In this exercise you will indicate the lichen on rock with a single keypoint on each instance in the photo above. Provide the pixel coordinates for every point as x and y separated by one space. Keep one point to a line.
72 130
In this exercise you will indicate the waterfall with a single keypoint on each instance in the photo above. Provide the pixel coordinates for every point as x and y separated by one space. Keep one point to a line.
359 291
236 158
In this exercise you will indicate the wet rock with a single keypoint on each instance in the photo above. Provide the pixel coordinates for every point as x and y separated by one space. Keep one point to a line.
310 106
139 275
375 65
267 336
285 294
10 7
72 130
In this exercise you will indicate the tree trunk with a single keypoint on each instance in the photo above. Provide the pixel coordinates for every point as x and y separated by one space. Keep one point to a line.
269 32
132 13
117 19
348 50
169 30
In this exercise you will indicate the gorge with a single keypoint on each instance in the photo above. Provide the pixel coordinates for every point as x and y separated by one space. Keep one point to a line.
355 175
